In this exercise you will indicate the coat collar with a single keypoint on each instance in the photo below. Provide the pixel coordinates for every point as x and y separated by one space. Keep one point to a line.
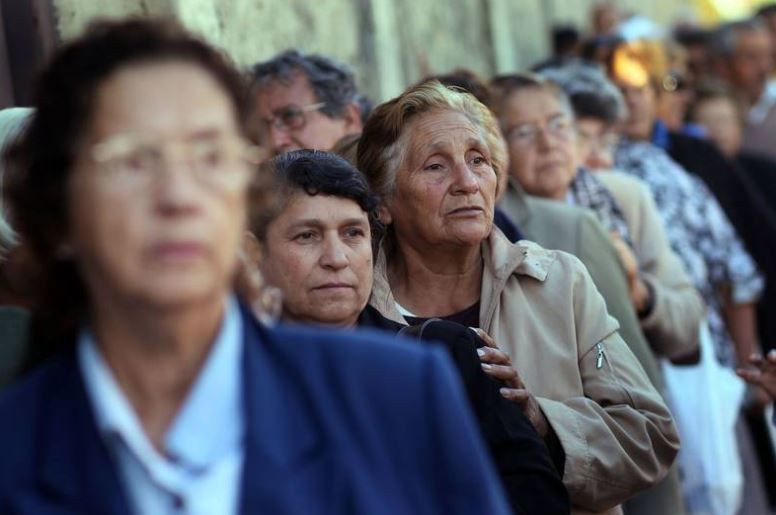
76 469
284 437
501 260
285 442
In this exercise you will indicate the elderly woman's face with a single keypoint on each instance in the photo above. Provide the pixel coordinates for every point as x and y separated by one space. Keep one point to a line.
156 198
318 252
446 186
541 143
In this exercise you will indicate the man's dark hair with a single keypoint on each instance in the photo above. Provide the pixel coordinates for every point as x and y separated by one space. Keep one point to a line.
689 36
332 82
766 10
565 40
314 172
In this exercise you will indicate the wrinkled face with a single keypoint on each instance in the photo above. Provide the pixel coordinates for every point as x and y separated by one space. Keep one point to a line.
542 155
642 110
751 63
290 118
318 252
446 186
156 197
722 122
596 143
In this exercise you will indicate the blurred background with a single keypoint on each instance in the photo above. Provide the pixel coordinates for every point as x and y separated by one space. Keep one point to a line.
390 43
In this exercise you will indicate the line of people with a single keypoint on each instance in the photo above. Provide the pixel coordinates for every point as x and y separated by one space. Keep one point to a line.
471 347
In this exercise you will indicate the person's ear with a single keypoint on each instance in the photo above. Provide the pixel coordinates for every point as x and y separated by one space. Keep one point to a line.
352 117
384 214
251 248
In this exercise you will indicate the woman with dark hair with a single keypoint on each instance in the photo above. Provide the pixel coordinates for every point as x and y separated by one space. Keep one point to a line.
317 248
166 395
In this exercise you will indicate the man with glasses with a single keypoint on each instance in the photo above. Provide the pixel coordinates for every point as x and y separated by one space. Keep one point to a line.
304 101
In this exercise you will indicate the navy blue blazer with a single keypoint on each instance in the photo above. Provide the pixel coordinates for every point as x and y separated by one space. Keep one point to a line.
337 423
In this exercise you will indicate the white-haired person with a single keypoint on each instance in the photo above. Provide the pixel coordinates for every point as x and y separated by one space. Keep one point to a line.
14 317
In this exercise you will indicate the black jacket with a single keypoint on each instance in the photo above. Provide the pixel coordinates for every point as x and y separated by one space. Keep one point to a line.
531 479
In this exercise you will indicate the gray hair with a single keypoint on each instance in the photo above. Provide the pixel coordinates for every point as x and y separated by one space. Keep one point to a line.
724 39
12 122
591 93
332 82
504 86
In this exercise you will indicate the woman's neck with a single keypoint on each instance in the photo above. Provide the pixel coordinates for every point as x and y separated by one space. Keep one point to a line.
436 283
156 355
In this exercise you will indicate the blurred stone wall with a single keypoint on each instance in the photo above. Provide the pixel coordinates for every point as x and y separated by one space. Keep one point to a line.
390 43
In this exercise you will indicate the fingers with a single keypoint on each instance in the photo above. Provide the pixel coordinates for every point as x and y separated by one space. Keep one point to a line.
755 359
490 342
771 357
517 395
750 376
503 372
493 356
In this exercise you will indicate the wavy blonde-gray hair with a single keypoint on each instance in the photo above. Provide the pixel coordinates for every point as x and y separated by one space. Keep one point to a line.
382 148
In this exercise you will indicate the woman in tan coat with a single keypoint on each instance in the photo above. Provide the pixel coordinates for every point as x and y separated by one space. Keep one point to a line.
436 158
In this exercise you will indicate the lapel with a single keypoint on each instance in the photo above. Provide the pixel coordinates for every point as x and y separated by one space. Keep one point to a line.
514 205
288 465
75 472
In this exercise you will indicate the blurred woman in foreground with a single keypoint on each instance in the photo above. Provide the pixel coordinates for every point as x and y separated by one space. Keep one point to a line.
166 395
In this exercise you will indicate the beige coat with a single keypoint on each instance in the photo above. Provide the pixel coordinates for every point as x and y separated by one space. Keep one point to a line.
542 308
672 327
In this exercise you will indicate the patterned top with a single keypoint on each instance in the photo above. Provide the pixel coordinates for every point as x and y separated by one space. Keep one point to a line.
587 191
700 234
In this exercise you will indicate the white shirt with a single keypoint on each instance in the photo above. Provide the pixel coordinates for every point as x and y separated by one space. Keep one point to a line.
204 446
759 112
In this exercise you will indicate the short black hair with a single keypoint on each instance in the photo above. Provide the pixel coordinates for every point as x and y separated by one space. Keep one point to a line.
332 82
766 9
565 39
315 172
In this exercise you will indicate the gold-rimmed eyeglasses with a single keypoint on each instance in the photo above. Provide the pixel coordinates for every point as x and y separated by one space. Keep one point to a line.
291 117
526 133
214 159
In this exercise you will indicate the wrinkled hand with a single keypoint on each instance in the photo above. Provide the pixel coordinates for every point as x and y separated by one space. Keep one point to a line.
639 292
764 373
496 363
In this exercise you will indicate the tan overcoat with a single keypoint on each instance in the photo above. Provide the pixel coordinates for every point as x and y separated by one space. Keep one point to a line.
542 308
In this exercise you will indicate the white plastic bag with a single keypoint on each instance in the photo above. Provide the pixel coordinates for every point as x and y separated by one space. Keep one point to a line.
706 400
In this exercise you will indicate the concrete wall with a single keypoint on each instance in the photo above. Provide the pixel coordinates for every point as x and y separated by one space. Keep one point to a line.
390 43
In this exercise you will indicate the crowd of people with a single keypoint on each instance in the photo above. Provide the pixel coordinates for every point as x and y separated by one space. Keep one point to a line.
256 291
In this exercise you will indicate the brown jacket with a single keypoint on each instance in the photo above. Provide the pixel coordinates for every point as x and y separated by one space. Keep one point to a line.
672 327
542 308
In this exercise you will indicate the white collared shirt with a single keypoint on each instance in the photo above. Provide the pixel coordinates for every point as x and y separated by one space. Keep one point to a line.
204 444
759 112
